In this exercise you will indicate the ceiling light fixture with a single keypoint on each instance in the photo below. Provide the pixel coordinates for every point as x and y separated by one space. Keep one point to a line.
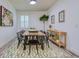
32 2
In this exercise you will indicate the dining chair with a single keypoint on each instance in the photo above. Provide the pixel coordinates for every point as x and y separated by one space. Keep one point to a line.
41 41
25 42
33 41
20 38
46 37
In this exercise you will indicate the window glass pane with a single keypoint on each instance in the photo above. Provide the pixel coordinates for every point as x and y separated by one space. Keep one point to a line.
22 25
22 18
24 21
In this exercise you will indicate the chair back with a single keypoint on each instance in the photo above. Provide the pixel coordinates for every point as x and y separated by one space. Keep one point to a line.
19 35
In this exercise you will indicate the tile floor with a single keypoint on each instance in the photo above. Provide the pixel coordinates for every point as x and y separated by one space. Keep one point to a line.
52 52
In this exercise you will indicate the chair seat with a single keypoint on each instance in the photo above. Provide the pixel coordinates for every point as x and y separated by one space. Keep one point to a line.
34 42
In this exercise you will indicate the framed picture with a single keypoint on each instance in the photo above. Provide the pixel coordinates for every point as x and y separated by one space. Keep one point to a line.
6 17
53 19
62 16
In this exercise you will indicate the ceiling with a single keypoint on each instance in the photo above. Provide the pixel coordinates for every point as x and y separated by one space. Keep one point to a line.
23 5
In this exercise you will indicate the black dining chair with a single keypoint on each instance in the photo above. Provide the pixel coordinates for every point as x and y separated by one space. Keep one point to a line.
41 41
25 42
20 38
46 37
33 41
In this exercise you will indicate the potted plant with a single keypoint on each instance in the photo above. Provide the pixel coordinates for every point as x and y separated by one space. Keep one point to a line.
44 18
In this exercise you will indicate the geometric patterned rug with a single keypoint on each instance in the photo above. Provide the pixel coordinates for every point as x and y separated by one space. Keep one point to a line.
52 52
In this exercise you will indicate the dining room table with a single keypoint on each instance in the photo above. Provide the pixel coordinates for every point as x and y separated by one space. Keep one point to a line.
27 34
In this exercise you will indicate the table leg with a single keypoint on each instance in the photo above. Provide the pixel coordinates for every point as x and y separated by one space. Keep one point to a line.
24 47
42 46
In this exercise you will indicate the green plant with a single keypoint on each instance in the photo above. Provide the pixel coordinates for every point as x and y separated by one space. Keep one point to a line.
44 18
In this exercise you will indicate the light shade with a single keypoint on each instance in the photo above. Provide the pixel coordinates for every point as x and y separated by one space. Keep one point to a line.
32 2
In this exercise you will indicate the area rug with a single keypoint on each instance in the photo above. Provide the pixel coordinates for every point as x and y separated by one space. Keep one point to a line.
49 52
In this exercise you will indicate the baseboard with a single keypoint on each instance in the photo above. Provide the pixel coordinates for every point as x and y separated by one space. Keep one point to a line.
73 52
7 45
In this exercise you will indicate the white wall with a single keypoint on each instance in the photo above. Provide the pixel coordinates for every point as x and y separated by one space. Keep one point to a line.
7 33
71 24
33 19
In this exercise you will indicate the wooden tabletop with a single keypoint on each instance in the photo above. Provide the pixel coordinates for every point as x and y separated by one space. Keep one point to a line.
35 34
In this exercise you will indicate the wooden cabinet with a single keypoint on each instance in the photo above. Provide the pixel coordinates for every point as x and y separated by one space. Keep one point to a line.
59 41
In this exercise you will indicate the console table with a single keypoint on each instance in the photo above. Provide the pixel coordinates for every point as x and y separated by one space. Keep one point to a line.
59 41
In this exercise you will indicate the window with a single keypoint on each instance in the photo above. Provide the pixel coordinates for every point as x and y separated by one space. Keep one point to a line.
24 21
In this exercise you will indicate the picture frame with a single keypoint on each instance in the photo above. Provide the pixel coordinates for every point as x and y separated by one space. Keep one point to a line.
6 17
53 19
62 16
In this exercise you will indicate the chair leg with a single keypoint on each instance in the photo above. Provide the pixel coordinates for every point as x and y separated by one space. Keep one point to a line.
37 48
48 45
29 49
42 44
25 42
18 43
